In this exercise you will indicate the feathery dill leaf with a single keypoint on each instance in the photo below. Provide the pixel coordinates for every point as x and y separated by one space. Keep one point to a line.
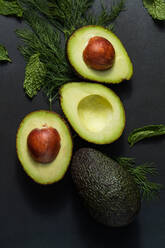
10 8
32 43
44 40
44 31
125 162
107 17
68 15
149 190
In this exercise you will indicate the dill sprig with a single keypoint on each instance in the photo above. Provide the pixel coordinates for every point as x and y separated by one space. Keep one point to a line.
11 7
43 39
149 190
107 17
69 15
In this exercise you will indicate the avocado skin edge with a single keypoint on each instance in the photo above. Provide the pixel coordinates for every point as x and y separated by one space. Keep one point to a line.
108 191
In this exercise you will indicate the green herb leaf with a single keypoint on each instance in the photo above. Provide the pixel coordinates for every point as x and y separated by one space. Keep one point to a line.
156 8
32 43
107 17
127 163
68 15
149 190
10 8
4 54
45 40
34 76
145 132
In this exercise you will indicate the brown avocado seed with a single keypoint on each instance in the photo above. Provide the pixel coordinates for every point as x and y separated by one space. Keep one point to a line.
99 53
44 144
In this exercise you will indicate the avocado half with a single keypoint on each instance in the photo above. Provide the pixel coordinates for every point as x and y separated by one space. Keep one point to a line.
94 111
122 68
50 172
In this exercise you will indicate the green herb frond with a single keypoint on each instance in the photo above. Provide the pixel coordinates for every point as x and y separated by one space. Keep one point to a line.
108 16
32 44
149 190
43 39
10 8
126 162
69 15
44 30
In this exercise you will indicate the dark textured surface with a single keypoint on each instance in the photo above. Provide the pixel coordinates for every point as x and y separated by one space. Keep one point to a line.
46 217
108 191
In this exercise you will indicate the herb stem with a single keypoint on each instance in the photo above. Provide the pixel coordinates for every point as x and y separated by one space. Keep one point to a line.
50 104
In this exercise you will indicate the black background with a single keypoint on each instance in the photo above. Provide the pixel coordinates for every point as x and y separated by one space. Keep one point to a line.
41 217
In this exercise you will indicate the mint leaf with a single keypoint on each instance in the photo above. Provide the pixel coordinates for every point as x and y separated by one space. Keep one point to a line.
34 75
4 54
145 132
10 8
156 8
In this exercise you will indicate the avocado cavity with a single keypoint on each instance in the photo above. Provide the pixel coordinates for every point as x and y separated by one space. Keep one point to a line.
94 112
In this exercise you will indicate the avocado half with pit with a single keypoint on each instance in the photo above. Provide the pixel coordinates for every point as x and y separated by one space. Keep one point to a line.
94 111
97 54
44 146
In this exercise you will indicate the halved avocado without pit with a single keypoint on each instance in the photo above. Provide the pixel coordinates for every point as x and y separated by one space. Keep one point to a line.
94 111
44 125
122 68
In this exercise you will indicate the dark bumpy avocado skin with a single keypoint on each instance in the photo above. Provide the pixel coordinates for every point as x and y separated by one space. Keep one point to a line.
108 191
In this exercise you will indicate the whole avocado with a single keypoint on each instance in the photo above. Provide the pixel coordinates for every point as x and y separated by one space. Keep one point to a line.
107 189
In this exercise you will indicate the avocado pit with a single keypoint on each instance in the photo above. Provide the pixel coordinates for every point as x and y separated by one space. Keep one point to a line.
44 144
99 53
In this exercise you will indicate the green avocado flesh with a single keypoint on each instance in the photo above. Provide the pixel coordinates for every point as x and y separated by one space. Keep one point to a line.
122 68
107 189
50 172
94 111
